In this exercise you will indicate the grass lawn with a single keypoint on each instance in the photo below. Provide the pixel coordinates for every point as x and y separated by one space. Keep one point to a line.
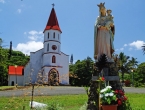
137 101
68 102
6 87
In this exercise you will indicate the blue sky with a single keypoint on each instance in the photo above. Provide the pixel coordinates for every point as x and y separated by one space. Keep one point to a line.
23 22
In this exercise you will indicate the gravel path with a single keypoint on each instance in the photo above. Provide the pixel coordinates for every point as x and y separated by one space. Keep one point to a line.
58 90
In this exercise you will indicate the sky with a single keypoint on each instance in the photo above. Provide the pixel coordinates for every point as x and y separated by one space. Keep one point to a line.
23 22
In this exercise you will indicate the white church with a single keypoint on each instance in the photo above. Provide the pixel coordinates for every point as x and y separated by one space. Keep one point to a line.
49 64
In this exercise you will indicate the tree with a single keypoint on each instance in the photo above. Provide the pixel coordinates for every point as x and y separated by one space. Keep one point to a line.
143 48
3 66
124 64
139 75
133 65
17 58
81 72
1 43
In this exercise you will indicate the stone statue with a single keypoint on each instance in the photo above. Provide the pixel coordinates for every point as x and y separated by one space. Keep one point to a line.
104 33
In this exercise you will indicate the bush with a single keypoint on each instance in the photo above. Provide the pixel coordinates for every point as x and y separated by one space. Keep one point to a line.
137 84
127 83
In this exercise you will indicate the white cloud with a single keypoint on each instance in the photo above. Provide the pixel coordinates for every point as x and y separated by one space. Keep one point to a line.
137 44
19 10
121 49
33 44
30 46
33 32
125 45
40 32
2 1
35 35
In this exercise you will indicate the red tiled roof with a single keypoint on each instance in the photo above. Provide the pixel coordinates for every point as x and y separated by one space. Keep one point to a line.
14 71
52 22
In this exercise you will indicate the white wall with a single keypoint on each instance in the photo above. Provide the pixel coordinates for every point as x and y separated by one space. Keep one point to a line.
35 64
27 74
13 78
51 35
47 59
64 75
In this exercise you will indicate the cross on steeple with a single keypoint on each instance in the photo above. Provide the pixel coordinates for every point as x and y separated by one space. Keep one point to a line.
53 5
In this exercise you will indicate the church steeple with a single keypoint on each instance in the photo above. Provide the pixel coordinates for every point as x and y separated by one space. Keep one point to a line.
52 22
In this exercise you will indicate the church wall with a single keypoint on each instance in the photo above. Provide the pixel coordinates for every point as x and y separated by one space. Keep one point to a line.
47 60
50 50
51 35
27 74
64 75
52 41
35 64
13 78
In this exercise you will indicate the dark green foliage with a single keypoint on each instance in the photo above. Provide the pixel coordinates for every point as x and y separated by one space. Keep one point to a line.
17 58
143 48
81 72
124 64
139 75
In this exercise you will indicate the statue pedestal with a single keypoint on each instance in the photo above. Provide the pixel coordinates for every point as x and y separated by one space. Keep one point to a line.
105 69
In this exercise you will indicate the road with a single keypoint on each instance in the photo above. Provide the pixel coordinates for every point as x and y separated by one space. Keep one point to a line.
57 90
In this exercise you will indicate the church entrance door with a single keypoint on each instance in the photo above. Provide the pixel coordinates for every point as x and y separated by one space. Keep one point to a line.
53 77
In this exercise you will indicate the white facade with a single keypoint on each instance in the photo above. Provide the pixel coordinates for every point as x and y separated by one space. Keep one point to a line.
12 79
49 58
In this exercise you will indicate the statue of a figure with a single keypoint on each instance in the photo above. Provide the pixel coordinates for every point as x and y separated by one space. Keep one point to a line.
104 33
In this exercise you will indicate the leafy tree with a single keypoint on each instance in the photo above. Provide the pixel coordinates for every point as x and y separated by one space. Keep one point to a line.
3 66
124 64
81 72
133 63
139 75
0 43
143 48
17 58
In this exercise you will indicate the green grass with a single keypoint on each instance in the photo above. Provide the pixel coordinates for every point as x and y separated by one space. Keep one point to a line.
68 102
6 87
137 101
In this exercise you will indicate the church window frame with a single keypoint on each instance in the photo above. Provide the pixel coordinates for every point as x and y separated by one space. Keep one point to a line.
48 35
48 47
54 35
53 59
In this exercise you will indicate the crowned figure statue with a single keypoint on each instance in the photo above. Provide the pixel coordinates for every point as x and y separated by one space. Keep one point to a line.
104 33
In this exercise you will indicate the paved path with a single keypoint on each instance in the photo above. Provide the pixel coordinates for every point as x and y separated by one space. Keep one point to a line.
134 90
58 90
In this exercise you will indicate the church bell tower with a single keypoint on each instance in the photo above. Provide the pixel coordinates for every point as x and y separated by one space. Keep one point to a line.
52 42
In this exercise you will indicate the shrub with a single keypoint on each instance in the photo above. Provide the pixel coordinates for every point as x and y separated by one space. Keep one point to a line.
127 83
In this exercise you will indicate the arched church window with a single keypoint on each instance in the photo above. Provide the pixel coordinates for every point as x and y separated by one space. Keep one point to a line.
48 35
53 59
54 35
48 47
